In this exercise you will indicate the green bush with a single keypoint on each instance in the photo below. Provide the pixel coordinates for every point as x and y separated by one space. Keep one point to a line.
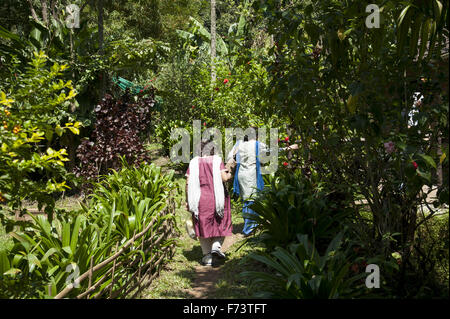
428 271
34 112
292 204
300 272
121 206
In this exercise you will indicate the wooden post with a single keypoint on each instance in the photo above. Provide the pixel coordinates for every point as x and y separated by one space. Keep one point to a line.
140 264
113 270
90 275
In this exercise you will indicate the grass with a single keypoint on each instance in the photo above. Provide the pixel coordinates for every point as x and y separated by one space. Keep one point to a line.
176 279
6 242
178 275
230 284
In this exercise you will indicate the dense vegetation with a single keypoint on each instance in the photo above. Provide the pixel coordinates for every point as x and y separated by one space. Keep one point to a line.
368 108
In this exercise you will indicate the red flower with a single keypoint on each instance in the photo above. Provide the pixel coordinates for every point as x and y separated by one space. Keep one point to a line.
415 164
225 81
193 106
217 89
204 123
141 91
286 139
285 164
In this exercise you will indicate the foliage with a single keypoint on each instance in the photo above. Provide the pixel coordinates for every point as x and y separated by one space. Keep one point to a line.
164 129
118 131
31 113
121 206
291 205
300 272
349 93
430 259
231 102
129 54
146 181
426 21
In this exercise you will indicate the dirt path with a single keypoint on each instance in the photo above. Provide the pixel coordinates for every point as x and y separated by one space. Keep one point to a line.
206 277
184 276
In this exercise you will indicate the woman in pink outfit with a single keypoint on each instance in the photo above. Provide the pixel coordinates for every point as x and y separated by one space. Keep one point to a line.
209 202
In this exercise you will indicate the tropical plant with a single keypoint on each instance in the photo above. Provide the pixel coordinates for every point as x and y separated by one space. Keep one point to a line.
350 95
300 272
34 111
46 255
119 129
428 22
291 204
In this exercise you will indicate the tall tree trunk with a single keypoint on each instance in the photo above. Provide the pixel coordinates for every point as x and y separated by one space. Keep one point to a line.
439 172
101 43
44 11
213 41
33 12
100 26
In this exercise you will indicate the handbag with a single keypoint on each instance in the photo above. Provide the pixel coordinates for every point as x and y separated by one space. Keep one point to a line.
231 164
190 228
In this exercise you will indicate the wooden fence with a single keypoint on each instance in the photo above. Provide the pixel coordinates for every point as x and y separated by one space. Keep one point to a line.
125 276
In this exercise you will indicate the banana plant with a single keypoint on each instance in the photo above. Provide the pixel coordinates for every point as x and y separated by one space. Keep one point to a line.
422 25
201 37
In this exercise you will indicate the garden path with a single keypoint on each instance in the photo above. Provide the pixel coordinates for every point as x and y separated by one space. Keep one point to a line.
184 276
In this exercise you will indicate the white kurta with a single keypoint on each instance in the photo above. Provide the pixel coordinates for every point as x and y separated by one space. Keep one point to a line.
247 169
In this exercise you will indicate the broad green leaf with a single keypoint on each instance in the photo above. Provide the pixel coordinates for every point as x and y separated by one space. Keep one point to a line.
67 250
13 272
442 158
429 160
4 262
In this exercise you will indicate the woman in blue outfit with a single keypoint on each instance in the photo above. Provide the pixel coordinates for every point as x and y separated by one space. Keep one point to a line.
248 178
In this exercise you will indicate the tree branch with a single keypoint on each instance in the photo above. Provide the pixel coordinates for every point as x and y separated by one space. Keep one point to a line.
33 13
44 11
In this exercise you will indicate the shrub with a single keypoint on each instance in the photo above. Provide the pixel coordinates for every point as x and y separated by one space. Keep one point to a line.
291 204
121 206
118 131
31 112
300 272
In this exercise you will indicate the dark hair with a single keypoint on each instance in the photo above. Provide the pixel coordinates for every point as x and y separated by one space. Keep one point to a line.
246 135
203 145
